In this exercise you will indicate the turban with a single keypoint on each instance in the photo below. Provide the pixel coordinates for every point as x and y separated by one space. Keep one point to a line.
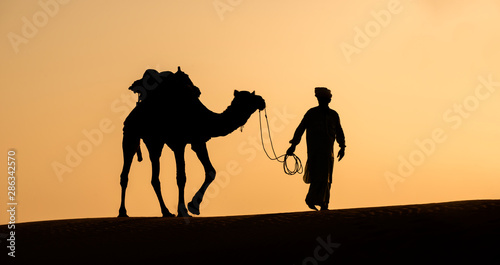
322 92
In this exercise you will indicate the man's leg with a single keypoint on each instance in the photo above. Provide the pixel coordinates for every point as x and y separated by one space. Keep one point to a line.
324 206
313 198
319 194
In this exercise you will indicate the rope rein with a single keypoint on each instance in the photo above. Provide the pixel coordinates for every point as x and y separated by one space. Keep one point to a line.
298 164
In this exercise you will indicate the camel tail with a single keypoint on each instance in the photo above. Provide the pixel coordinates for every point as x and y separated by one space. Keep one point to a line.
139 153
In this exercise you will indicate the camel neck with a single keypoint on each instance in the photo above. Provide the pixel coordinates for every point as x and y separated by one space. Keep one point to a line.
229 120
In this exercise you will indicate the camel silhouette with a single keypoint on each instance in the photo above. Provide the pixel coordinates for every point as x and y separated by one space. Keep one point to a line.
169 112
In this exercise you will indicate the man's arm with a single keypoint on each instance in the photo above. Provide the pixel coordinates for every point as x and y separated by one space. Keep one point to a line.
297 136
339 136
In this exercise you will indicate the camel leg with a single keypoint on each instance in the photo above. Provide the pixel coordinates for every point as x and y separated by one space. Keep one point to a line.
155 148
129 147
181 180
202 153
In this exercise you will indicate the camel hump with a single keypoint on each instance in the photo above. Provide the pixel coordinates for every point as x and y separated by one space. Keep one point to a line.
186 82
165 86
160 95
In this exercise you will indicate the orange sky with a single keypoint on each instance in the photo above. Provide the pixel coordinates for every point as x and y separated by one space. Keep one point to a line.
416 85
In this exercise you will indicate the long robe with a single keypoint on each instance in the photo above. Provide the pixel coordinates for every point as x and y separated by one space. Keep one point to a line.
323 128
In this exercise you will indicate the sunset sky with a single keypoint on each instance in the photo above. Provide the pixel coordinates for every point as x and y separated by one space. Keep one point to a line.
416 85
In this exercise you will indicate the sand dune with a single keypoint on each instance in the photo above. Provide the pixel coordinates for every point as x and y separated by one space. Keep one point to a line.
439 233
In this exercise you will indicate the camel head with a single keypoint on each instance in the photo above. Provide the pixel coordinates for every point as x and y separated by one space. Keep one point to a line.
248 101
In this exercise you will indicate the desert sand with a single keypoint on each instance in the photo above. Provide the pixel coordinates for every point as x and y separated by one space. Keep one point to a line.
462 232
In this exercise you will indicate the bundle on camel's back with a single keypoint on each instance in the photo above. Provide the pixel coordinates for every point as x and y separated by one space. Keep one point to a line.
169 112
164 93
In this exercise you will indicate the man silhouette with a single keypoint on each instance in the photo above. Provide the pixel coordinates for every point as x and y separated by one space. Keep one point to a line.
323 128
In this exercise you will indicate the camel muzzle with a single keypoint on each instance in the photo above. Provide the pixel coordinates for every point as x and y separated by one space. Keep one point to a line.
262 105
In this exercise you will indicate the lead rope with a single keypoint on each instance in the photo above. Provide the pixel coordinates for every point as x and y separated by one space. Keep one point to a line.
298 164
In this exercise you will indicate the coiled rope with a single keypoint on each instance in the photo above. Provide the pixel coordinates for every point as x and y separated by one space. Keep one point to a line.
297 165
